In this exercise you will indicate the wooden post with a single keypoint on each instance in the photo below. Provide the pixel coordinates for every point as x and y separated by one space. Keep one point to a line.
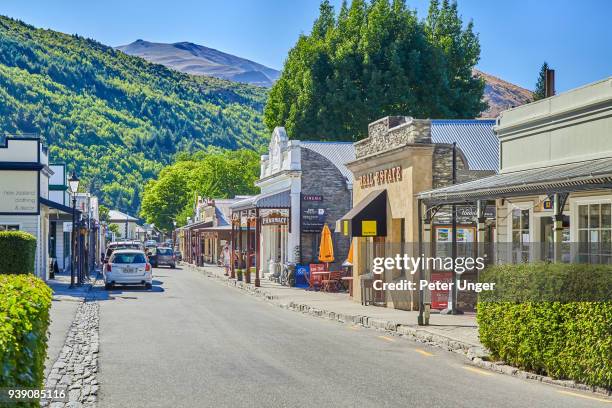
247 271
233 252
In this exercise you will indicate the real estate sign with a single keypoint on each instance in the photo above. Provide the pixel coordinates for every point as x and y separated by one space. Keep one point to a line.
18 192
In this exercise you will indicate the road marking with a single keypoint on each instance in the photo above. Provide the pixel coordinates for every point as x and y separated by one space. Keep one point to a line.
477 370
575 394
386 338
425 353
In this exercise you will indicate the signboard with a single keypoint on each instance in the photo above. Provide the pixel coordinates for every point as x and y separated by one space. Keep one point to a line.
312 197
19 192
313 220
369 228
380 177
465 215
275 219
68 226
439 298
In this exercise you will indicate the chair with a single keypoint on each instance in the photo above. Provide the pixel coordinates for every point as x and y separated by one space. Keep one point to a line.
333 283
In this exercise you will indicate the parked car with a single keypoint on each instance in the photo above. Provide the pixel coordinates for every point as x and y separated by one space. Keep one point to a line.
164 256
113 246
151 243
127 267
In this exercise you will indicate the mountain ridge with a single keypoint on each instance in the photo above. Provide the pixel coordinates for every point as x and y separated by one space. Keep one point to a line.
196 59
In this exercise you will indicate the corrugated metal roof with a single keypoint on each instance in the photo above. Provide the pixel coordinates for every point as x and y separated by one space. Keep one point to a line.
474 137
565 177
115 215
277 200
339 153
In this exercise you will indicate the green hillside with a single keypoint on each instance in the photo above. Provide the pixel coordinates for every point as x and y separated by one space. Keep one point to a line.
117 119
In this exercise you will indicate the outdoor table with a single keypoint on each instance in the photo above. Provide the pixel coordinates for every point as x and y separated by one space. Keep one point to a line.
349 279
311 280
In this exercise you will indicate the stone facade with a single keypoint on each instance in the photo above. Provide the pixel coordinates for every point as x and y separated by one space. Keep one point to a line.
391 132
321 177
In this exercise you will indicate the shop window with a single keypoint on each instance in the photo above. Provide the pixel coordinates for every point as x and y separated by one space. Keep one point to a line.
595 232
9 227
520 235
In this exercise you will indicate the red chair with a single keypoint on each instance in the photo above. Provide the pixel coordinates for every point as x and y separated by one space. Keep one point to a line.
332 284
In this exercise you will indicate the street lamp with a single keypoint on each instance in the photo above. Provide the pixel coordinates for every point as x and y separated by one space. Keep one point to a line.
73 183
174 235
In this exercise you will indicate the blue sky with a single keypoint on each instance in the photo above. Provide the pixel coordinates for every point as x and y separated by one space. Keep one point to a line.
575 37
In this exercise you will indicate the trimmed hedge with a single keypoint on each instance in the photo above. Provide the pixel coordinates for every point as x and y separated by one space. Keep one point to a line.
18 252
551 319
25 301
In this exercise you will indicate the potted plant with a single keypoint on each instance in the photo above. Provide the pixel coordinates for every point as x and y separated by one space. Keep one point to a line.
239 274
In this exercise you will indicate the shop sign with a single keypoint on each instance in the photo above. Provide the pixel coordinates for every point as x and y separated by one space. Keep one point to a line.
19 192
381 177
369 228
313 220
465 215
312 197
68 227
275 219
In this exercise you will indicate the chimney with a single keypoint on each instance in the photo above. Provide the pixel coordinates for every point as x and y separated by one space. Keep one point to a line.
549 87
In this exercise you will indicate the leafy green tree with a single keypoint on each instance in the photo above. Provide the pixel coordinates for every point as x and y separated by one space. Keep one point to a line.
540 88
372 60
213 172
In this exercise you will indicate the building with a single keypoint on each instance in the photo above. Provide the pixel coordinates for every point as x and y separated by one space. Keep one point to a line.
126 224
400 158
60 221
203 239
304 185
553 193
24 195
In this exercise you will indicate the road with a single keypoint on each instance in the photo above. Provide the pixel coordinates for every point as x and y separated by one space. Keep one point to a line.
194 342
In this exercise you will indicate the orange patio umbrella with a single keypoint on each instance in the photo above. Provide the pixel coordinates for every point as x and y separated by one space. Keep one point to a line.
326 248
349 258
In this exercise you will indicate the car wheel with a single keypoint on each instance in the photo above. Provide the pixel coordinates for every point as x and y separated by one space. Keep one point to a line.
148 286
173 266
108 286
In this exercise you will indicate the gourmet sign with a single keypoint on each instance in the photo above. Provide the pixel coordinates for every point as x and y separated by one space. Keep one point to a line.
380 177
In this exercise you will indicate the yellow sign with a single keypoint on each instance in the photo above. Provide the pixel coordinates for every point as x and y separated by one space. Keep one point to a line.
368 228
345 227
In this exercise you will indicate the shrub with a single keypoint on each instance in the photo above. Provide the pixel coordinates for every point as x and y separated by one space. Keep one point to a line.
25 301
552 319
18 251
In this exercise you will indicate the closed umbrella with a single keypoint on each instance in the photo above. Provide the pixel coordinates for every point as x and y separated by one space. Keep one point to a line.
349 258
326 248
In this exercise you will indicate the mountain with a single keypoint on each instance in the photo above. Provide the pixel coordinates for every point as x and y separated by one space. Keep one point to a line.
501 95
199 60
115 118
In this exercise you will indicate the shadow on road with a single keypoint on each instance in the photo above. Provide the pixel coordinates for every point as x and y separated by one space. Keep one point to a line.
120 291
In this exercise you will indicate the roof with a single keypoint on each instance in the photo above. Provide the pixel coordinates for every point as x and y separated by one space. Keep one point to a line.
555 179
339 153
115 215
475 138
277 200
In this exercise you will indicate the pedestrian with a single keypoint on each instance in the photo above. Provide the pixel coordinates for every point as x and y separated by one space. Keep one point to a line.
227 258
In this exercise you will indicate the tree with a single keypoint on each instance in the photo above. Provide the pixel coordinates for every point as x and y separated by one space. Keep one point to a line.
214 173
372 60
540 88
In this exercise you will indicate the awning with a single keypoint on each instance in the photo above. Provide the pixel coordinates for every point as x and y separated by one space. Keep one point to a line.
272 201
565 178
368 218
63 208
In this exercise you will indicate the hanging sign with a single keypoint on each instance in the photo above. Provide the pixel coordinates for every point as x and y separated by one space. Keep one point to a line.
369 228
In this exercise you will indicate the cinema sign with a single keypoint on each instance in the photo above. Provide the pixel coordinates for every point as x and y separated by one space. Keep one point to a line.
380 177
19 192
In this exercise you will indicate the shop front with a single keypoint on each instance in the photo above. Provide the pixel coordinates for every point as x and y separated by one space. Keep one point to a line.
400 158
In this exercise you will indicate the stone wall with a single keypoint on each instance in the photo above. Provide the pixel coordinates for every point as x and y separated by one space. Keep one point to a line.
321 177
391 132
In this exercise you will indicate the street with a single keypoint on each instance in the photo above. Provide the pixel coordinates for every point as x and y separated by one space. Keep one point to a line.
194 342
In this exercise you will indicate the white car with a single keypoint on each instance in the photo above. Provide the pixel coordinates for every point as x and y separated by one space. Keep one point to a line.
128 267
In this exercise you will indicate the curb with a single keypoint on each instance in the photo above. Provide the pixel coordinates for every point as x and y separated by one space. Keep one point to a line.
475 354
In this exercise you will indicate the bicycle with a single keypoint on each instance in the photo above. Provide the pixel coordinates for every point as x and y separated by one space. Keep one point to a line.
287 277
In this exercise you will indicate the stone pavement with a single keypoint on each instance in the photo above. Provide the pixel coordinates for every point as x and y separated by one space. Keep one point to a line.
71 364
454 332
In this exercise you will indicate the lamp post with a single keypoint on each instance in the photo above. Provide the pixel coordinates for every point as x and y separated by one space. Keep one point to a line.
174 235
73 183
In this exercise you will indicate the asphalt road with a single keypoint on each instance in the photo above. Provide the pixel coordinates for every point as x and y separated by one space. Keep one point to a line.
194 342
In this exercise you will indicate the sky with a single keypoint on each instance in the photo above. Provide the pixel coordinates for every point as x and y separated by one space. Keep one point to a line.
516 36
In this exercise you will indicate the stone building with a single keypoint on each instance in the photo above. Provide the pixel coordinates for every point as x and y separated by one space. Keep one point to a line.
400 158
304 185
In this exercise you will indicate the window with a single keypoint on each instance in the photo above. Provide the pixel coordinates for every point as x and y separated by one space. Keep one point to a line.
9 227
595 232
129 258
520 226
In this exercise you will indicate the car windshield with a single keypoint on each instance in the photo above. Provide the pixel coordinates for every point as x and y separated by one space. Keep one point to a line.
129 258
164 251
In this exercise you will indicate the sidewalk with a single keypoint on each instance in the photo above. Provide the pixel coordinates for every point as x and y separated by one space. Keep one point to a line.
63 310
458 332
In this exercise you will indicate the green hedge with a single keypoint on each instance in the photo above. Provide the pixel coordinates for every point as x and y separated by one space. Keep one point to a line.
24 319
551 319
18 252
